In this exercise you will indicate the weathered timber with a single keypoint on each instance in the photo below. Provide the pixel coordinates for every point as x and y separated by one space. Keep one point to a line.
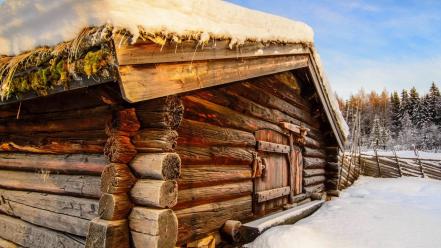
314 188
117 178
73 206
91 164
49 145
272 147
7 244
197 196
258 95
230 98
114 206
310 142
252 229
155 140
156 228
311 163
307 181
283 85
56 125
225 117
119 149
164 112
29 235
204 175
231 229
215 155
124 120
155 193
271 194
108 234
146 52
60 222
197 221
313 172
86 186
203 134
162 166
187 76
316 153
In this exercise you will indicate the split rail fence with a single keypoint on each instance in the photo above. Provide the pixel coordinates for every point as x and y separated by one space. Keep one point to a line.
394 166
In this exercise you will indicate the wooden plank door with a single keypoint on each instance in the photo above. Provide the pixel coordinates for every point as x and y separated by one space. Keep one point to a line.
272 189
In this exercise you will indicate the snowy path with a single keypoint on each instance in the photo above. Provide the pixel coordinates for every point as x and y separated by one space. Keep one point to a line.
402 212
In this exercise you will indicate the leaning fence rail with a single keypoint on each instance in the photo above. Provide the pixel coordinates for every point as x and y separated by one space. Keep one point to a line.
394 166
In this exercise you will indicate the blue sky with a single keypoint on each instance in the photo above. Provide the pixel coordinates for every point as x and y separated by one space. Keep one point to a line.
370 44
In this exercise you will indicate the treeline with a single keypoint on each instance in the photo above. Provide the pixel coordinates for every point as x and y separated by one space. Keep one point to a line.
403 120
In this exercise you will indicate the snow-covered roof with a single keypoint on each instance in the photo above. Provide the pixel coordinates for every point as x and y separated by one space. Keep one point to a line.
27 24
30 23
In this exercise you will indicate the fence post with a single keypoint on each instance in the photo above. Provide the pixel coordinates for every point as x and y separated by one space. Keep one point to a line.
378 162
418 160
398 162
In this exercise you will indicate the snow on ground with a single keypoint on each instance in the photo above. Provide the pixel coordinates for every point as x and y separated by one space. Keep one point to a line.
374 212
406 154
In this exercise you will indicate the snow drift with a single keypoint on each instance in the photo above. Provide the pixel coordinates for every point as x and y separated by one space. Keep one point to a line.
374 212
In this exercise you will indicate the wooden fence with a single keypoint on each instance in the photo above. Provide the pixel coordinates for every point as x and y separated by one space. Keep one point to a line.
393 166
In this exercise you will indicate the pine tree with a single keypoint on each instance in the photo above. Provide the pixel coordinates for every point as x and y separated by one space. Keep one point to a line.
375 134
405 104
414 106
395 115
434 104
406 137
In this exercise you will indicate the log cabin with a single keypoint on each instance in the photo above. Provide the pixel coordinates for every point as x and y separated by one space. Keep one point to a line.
135 128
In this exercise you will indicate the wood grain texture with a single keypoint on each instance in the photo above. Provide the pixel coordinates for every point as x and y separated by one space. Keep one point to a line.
140 83
29 235
84 186
162 166
155 193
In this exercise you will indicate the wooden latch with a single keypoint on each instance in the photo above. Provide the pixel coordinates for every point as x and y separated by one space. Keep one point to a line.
259 166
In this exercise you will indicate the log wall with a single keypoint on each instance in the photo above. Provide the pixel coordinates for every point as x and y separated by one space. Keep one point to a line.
216 142
51 159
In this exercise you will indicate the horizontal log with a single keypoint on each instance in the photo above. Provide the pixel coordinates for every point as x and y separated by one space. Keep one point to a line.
203 134
225 117
7 244
155 140
205 175
155 193
308 181
315 153
313 172
196 196
66 205
29 235
231 99
197 221
123 121
272 147
162 166
154 228
108 233
215 155
114 206
263 97
314 188
42 124
85 186
50 146
60 222
66 164
117 178
263 196
164 112
310 163
195 75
